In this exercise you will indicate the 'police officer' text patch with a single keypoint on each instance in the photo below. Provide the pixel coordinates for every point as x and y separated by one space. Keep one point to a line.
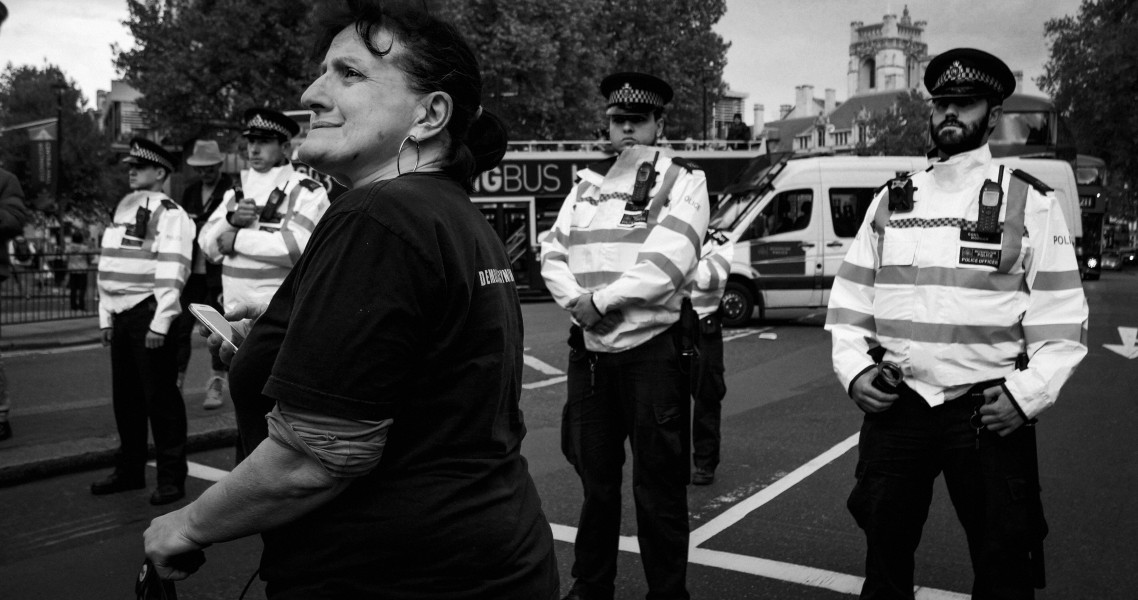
979 256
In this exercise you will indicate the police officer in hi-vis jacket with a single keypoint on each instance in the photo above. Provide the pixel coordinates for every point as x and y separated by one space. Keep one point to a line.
143 266
260 228
963 283
621 259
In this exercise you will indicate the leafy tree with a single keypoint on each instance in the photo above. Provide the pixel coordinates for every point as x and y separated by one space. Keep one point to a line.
541 60
675 41
538 62
1092 77
902 130
200 65
87 176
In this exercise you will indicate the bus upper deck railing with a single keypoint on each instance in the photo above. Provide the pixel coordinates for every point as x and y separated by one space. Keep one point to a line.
601 145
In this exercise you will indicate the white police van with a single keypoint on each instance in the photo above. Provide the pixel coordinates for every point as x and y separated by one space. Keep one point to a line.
792 220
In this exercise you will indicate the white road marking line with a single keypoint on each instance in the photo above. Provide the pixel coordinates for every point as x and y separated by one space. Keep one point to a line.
737 512
61 350
201 471
544 382
762 567
771 569
538 365
742 333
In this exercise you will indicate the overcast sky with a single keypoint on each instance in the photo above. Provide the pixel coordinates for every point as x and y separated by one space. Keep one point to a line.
775 44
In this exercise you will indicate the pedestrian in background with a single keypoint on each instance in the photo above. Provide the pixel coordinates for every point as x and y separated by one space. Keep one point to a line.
144 264
22 255
709 386
200 199
78 264
621 259
738 133
963 280
390 360
258 232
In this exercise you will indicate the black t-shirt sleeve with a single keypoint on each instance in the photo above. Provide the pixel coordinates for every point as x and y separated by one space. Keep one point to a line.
359 321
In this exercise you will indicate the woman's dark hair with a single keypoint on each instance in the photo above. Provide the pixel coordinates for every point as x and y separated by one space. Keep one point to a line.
436 59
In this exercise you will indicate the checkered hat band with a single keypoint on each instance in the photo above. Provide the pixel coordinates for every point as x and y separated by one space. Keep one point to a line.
961 224
629 95
259 122
150 155
957 74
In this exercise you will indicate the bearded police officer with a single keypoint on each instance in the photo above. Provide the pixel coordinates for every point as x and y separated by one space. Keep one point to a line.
143 266
621 259
963 279
259 230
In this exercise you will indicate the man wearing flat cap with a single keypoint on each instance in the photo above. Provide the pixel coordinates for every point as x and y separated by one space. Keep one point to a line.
143 267
200 199
259 230
963 282
621 259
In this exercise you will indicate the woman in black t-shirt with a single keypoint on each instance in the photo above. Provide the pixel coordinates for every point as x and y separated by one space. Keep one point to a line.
378 393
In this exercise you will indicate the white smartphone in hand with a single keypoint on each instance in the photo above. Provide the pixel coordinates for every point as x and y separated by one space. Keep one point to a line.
214 320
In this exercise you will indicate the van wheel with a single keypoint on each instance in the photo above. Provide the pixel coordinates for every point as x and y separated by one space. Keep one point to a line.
737 305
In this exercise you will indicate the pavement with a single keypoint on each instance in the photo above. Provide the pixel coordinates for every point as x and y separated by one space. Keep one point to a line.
68 451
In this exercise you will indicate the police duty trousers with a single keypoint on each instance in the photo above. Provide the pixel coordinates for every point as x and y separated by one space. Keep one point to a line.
641 395
708 390
144 383
993 483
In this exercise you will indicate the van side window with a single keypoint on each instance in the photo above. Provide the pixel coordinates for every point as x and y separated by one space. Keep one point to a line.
788 211
847 209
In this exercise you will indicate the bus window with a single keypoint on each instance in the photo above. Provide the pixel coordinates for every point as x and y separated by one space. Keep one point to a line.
847 209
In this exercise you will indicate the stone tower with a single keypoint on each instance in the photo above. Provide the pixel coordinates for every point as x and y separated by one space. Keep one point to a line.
887 56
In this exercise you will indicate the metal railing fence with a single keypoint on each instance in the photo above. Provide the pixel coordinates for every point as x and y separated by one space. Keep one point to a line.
48 289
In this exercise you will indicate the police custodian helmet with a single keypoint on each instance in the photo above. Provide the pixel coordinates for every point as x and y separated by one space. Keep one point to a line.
968 73
634 93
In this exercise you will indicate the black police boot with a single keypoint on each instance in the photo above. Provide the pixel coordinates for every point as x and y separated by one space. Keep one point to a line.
115 483
167 493
703 477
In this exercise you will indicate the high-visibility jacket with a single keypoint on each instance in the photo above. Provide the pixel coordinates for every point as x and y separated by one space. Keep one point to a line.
639 264
711 274
954 307
135 264
266 250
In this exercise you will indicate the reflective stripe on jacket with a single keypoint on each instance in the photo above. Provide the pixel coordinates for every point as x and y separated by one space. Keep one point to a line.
643 269
953 311
132 267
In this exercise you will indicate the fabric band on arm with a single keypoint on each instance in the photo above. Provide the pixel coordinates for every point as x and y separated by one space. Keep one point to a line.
1013 224
343 447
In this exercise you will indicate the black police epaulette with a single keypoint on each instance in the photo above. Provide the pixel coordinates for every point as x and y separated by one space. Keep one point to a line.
310 184
601 167
169 204
1030 179
686 164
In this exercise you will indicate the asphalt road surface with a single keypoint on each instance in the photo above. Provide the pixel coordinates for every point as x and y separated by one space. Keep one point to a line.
773 525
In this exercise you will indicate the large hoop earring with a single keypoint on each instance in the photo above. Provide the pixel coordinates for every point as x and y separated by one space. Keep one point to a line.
399 155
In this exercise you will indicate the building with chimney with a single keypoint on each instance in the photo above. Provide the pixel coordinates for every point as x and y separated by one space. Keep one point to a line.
885 59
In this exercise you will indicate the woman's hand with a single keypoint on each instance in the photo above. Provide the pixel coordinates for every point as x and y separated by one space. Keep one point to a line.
174 554
241 318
